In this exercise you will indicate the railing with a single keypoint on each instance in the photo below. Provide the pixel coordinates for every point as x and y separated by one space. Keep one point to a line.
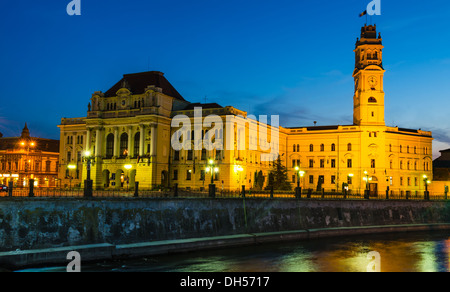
250 194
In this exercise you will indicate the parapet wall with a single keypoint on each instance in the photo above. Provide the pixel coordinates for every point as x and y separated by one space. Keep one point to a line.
43 223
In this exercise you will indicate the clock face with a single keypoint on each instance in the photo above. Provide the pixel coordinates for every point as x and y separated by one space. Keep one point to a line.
372 81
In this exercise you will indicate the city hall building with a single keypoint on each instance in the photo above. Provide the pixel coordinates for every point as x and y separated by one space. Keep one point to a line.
128 131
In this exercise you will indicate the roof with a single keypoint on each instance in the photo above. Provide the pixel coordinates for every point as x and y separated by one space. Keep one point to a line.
137 83
191 106
318 128
41 144
44 145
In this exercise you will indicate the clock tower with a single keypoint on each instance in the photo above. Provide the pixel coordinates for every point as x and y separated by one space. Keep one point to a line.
369 73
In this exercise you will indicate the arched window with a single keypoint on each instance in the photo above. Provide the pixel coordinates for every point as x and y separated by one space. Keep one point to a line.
311 148
137 140
349 147
333 147
294 148
372 100
110 146
322 147
298 147
124 145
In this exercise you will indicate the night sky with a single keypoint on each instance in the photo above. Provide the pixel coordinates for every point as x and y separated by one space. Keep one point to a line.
291 58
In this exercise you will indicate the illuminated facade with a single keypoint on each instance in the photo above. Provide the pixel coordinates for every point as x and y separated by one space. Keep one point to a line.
130 125
25 157
367 154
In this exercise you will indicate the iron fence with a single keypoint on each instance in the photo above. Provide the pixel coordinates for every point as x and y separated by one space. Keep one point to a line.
182 193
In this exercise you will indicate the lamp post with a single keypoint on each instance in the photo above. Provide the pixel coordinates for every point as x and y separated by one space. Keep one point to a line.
27 145
347 187
71 167
238 169
426 182
367 190
88 182
213 169
128 167
388 183
300 174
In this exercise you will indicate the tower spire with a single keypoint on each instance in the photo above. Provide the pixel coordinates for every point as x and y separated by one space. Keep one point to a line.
25 132
368 75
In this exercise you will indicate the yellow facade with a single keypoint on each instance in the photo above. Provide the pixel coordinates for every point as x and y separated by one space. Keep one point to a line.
131 124
28 158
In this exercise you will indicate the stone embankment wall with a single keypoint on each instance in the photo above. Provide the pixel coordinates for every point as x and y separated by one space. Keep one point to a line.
43 223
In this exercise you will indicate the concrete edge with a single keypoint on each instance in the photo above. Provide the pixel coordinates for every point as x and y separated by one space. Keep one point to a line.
54 256
96 252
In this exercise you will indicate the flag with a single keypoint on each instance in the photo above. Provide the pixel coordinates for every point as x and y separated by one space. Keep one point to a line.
362 14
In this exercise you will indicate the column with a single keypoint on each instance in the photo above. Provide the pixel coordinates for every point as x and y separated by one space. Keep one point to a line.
142 139
116 142
153 141
98 142
88 140
130 148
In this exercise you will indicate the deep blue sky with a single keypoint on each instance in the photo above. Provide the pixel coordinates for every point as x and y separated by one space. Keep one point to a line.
288 57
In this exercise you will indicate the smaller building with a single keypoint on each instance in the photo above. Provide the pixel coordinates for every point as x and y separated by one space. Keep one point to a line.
441 173
25 157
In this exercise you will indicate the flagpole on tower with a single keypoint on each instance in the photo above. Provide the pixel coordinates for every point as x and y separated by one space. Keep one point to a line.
364 13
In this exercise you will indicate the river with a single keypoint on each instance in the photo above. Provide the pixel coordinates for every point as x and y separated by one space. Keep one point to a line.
402 252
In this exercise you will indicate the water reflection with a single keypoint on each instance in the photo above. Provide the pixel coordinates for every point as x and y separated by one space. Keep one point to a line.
417 252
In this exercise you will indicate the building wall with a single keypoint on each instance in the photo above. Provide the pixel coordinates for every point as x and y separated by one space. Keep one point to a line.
28 158
349 151
365 155
47 223
73 141
21 166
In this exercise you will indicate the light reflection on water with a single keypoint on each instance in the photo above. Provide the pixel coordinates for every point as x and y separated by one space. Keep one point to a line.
418 252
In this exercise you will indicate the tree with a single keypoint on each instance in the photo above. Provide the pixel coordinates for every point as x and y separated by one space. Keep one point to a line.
278 177
259 180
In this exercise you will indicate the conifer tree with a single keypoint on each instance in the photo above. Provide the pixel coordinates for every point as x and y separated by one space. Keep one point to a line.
278 177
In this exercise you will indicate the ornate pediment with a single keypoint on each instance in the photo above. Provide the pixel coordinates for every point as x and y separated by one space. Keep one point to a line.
123 92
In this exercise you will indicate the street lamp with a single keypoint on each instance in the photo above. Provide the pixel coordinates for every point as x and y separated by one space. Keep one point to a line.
88 182
346 186
300 175
238 169
128 167
426 182
367 179
71 167
388 184
213 169
27 145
